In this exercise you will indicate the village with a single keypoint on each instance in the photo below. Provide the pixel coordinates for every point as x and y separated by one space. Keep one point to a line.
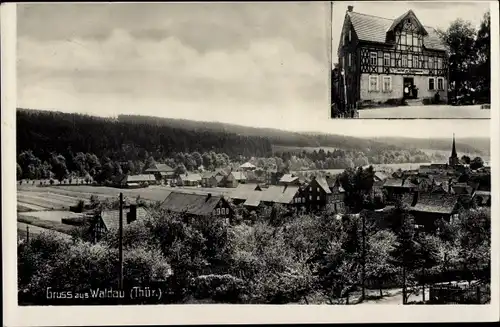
431 191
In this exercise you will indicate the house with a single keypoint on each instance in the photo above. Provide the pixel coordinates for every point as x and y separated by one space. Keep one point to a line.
336 200
233 179
189 179
289 179
429 208
162 172
198 205
382 57
318 193
109 220
135 181
395 188
254 195
247 166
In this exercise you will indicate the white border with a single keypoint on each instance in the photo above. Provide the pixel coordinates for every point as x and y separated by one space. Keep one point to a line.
212 314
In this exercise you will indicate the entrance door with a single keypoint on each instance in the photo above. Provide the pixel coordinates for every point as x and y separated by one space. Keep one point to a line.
409 88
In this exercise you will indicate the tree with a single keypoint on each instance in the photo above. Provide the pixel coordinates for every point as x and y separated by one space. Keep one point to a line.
19 172
465 159
476 163
59 167
460 39
378 257
180 169
482 46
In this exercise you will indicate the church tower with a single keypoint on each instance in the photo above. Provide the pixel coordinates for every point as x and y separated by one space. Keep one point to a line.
453 160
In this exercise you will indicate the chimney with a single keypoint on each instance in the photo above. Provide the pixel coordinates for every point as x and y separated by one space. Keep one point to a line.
350 8
209 195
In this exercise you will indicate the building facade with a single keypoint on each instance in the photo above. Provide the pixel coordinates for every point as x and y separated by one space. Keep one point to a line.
383 57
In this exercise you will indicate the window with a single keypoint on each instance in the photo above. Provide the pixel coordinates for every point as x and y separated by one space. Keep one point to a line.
303 200
218 211
440 83
405 61
310 197
431 62
350 62
431 83
387 86
310 189
373 84
349 35
439 63
373 58
410 61
416 61
387 59
317 198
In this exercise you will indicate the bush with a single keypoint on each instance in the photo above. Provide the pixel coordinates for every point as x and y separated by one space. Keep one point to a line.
51 181
220 288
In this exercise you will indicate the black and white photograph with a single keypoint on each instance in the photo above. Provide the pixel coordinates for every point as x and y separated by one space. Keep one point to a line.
172 156
412 60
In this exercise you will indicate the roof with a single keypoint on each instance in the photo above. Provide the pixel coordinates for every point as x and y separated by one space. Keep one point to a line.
207 174
288 178
483 193
238 175
396 182
191 203
324 185
111 218
190 177
373 29
436 203
247 165
380 176
140 178
273 193
160 168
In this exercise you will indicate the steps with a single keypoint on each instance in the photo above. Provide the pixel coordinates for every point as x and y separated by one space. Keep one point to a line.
414 102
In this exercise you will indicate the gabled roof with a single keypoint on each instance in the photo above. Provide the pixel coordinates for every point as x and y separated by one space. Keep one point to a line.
111 218
436 203
409 13
207 174
160 168
323 184
191 203
373 29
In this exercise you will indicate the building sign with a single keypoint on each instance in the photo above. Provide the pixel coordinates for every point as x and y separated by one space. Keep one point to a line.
409 71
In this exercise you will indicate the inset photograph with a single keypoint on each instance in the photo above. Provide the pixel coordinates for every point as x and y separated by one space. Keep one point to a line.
396 60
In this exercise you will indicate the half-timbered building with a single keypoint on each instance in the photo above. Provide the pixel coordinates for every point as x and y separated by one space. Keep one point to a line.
382 58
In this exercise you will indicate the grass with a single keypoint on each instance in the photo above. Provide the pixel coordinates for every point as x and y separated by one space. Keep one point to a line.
48 224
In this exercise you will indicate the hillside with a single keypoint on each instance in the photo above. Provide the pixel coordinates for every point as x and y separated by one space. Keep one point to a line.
49 131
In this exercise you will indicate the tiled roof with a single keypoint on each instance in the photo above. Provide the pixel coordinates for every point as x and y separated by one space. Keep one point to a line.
111 218
436 203
191 203
373 29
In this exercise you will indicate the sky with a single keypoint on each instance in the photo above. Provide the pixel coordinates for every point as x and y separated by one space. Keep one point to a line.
430 13
253 64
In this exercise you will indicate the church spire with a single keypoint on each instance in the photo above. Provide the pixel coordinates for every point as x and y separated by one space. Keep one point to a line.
454 150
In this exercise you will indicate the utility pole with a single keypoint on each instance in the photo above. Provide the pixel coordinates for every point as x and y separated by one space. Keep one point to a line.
120 241
27 234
